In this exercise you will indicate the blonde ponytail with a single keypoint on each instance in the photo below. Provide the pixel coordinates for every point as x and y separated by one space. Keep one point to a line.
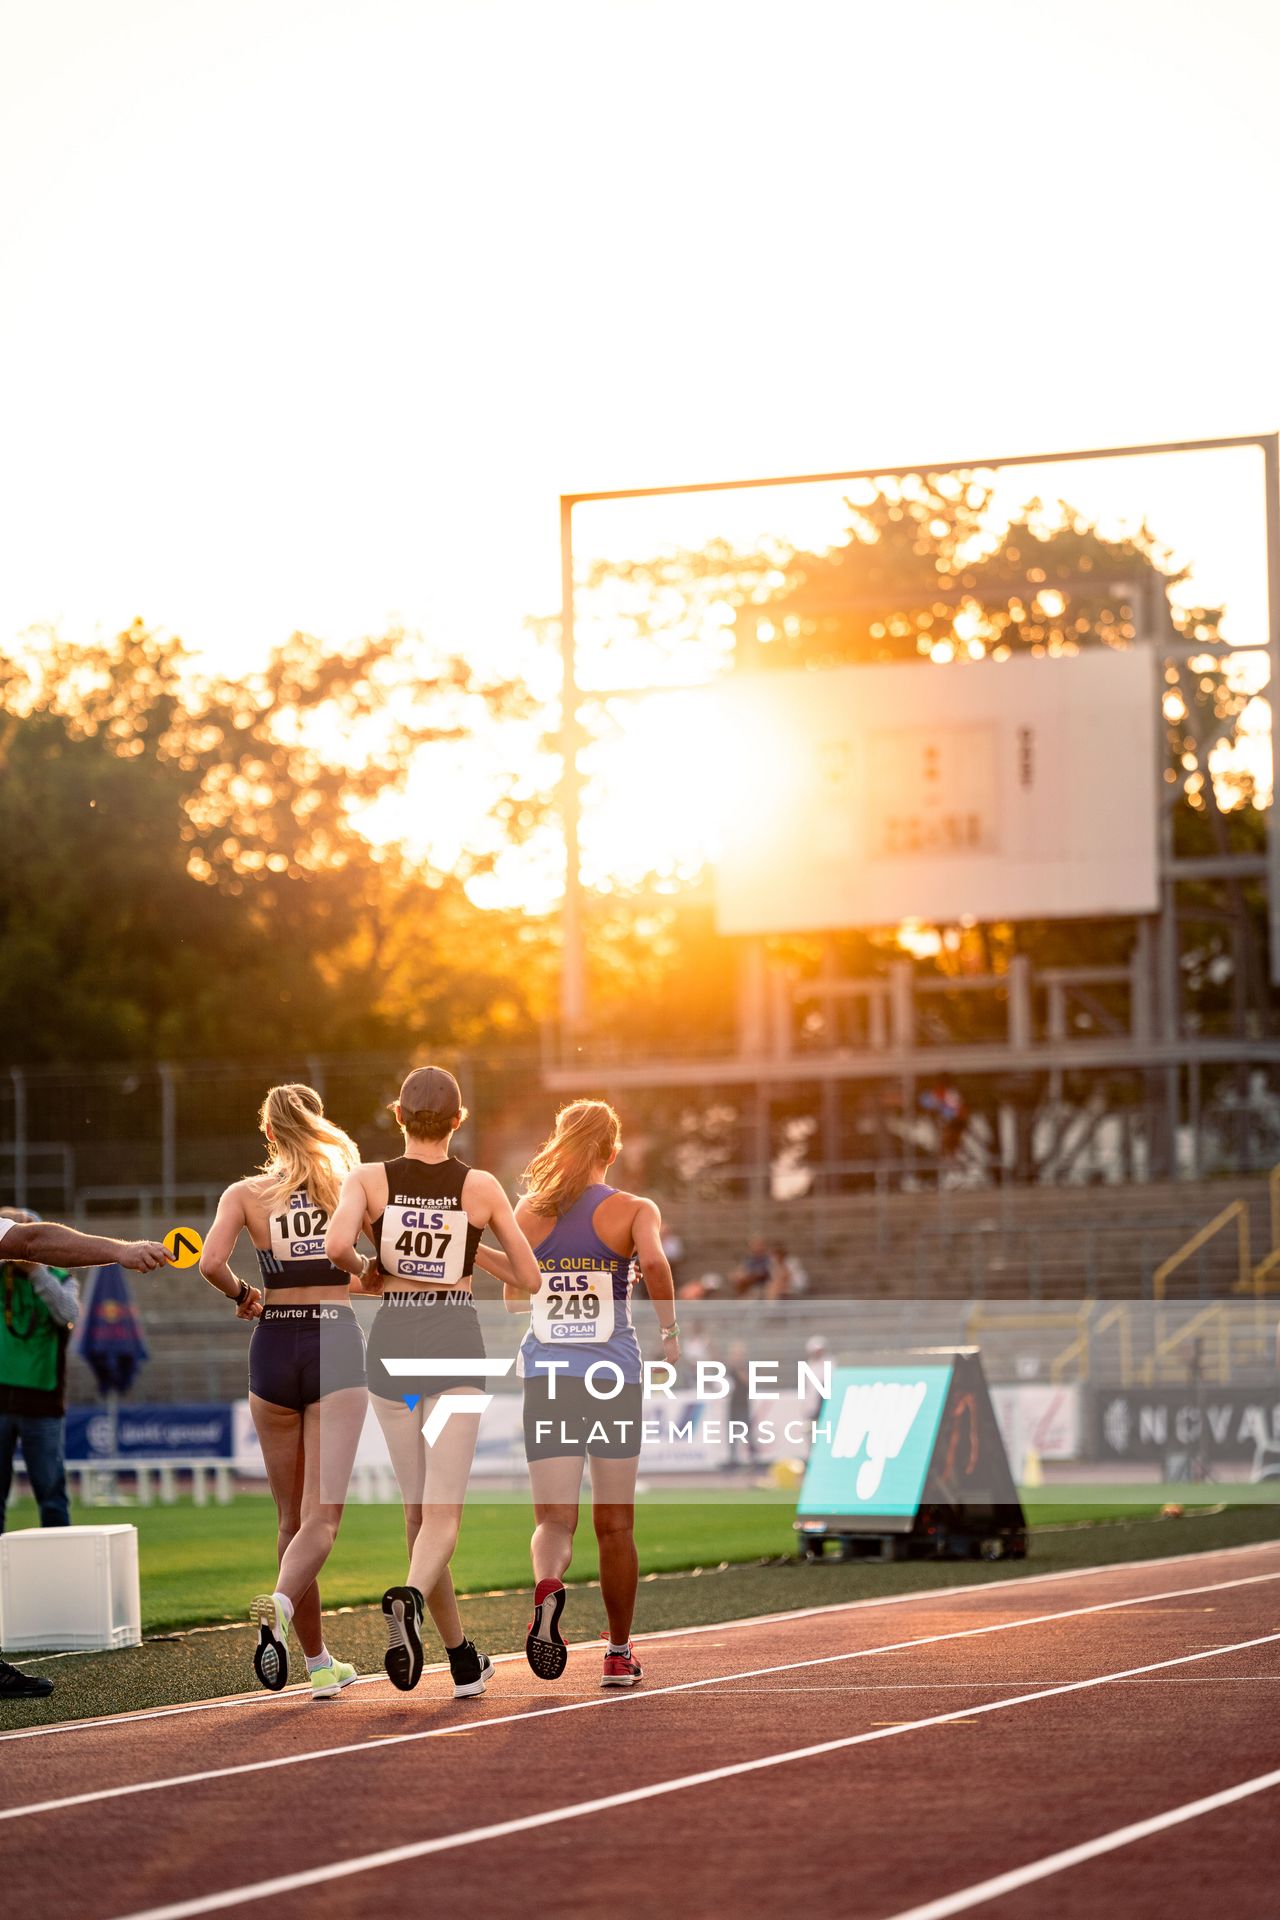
307 1151
586 1133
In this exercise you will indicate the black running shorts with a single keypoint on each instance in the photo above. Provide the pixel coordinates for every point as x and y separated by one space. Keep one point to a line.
434 1327
299 1354
575 1421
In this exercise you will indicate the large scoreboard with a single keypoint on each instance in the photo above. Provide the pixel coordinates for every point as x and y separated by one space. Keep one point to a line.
1012 790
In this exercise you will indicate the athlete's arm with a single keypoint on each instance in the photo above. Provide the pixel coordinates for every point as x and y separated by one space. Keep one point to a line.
489 1260
345 1228
646 1237
520 1270
514 1298
59 1246
219 1245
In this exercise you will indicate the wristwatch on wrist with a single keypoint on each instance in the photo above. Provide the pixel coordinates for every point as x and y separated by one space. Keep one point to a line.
243 1295
672 1332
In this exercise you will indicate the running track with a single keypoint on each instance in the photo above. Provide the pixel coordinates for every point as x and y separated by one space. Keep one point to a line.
1085 1745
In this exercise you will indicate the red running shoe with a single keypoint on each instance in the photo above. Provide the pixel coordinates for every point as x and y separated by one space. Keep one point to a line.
621 1669
544 1649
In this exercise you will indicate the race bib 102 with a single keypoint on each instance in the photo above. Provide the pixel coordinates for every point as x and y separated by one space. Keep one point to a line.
427 1245
297 1231
573 1308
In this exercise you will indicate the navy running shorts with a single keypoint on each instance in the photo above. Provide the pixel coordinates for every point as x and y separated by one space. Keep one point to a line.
299 1354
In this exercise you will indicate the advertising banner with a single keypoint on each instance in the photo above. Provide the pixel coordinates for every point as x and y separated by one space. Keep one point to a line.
1034 1415
202 1431
1237 1425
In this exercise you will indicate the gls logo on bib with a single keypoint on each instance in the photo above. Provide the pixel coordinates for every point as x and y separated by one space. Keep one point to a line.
878 1417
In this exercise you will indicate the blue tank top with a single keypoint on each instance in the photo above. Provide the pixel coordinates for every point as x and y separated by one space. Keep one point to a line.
582 1313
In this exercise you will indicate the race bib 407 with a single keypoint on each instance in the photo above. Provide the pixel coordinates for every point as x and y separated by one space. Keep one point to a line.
424 1244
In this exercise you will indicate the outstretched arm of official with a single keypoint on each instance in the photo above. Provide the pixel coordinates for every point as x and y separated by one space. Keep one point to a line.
60 1246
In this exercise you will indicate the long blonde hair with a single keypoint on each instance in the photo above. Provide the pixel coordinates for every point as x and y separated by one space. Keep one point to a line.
306 1150
586 1132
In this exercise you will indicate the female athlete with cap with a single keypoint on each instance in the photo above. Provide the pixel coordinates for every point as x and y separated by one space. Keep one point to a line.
580 1362
306 1365
424 1213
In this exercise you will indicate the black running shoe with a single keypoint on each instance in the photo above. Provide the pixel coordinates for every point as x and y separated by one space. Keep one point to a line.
545 1651
17 1685
402 1608
470 1668
271 1655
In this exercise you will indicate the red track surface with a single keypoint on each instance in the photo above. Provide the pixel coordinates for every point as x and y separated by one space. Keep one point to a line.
1038 1735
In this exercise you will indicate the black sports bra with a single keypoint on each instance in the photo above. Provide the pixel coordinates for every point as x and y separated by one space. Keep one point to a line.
424 1238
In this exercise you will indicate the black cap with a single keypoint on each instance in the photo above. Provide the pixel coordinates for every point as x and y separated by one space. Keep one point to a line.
430 1090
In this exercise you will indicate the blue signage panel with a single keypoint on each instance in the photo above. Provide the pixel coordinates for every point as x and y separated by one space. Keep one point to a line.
198 1432
875 1442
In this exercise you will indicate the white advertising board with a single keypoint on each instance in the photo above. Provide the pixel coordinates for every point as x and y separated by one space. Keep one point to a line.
1011 790
1037 1415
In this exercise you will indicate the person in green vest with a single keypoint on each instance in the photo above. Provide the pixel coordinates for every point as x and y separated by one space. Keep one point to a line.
26 1284
38 1308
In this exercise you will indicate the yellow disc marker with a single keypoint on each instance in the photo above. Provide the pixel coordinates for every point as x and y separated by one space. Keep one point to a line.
184 1243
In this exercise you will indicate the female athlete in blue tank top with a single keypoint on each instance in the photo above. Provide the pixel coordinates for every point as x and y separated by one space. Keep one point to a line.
582 1370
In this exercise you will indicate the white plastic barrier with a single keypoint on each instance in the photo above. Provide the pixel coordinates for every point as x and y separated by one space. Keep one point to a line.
152 1479
70 1589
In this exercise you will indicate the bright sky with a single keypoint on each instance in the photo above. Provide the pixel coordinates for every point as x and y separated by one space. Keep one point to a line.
310 308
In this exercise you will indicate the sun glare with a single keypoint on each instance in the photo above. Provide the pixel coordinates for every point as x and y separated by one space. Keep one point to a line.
657 781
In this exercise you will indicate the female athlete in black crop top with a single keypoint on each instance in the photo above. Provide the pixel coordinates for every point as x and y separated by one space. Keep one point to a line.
424 1213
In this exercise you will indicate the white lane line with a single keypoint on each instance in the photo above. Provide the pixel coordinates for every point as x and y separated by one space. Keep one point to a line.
363 1746
1002 1883
294 1694
577 1810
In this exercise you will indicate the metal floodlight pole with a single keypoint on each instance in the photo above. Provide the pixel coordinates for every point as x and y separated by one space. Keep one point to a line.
1271 469
573 978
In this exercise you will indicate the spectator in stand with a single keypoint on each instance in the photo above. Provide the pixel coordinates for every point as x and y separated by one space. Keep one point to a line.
787 1278
753 1275
706 1287
694 1347
740 1410
29 1241
673 1247
818 1355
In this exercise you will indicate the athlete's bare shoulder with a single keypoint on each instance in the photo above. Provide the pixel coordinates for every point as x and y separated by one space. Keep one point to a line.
533 1225
617 1216
481 1192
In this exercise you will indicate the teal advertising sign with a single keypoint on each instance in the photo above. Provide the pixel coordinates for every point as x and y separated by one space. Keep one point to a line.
881 1424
